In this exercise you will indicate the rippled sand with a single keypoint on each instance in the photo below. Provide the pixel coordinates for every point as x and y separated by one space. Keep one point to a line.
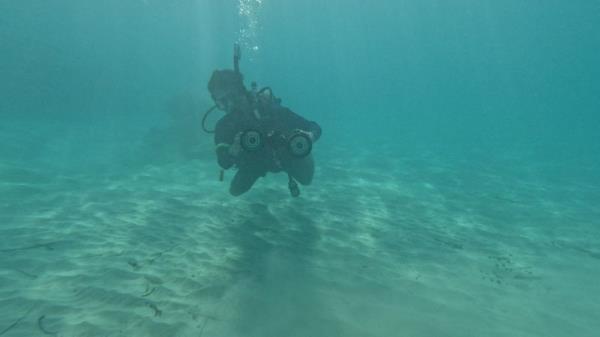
418 246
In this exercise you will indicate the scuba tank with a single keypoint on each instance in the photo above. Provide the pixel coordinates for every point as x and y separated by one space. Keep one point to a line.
237 55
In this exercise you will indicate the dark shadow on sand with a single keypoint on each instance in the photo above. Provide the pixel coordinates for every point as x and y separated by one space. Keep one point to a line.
277 286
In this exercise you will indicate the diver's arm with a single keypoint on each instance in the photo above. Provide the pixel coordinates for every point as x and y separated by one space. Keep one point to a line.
224 159
224 140
312 128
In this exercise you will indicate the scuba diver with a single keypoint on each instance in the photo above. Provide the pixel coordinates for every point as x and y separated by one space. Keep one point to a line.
258 135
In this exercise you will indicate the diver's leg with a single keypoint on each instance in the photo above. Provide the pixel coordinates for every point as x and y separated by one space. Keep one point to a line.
301 169
243 180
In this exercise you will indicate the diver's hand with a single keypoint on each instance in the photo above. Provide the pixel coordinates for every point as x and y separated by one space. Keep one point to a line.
236 147
310 135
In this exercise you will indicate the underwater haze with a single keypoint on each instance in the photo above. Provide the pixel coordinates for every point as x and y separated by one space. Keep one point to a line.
456 188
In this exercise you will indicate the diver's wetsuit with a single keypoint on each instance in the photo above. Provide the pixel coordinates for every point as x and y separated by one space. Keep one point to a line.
269 158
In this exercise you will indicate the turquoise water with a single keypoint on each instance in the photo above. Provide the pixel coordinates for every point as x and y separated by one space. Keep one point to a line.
456 186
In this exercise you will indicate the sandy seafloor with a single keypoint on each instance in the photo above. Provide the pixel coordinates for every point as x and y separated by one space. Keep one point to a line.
380 245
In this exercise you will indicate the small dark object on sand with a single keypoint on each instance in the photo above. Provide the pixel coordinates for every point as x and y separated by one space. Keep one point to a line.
153 306
41 326
47 245
148 291
15 323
